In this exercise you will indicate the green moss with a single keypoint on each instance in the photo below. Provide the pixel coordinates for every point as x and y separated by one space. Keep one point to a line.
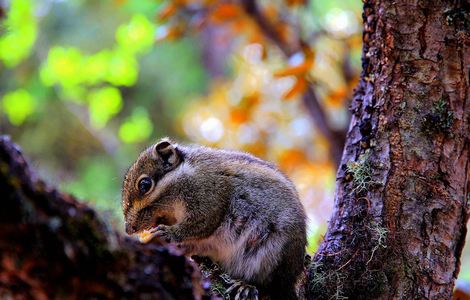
318 278
361 173
327 283
219 281
219 289
439 120
379 238
339 293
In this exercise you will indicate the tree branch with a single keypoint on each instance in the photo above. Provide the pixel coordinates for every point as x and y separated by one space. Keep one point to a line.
309 97
52 246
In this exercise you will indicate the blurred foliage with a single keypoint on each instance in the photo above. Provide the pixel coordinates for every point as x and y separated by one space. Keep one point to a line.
18 105
85 88
137 127
20 33
85 85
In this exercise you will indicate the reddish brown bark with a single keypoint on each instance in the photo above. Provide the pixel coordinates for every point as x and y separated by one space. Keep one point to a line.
53 247
400 216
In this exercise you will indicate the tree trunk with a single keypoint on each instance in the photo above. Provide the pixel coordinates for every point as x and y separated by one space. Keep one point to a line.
53 247
400 216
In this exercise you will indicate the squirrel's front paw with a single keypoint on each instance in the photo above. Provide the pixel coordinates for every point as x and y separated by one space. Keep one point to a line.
167 233
242 290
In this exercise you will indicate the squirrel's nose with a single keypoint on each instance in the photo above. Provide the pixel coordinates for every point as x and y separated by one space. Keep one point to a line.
130 229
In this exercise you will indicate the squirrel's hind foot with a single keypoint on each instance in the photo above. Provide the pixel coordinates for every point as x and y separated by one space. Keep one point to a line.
242 291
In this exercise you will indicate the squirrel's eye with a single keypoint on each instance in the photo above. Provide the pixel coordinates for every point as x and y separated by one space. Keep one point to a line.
145 184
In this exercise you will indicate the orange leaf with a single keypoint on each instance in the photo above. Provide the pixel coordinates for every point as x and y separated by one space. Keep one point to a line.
168 33
239 25
355 41
271 12
250 100
225 12
291 158
167 11
337 97
284 32
238 116
295 2
299 87
299 69
257 37
174 33
296 70
258 149
353 82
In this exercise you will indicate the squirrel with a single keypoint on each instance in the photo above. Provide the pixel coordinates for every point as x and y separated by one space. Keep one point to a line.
234 208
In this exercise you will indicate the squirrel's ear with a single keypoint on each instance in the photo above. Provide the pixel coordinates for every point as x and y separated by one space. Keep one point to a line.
166 151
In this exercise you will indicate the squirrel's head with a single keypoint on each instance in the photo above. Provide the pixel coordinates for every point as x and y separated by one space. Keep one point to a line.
140 194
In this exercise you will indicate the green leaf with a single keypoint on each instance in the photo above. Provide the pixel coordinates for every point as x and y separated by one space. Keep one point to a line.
137 36
104 103
21 33
137 128
63 66
18 105
123 69
96 67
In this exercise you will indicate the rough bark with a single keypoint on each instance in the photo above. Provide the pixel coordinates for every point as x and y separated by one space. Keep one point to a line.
400 216
54 247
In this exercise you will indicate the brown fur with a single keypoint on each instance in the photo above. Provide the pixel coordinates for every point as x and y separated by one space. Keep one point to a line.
232 207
